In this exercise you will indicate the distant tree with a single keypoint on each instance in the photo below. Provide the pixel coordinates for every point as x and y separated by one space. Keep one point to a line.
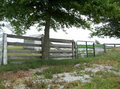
97 42
55 14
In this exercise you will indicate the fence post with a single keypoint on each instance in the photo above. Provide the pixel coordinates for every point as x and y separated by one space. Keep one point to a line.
104 47
75 50
114 45
86 48
94 49
42 43
1 51
73 46
4 48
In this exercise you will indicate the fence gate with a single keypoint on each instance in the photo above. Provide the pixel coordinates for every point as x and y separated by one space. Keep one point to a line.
1 42
85 49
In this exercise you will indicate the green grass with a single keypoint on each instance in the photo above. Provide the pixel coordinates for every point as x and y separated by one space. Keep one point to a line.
101 80
15 48
84 46
96 83
90 46
39 63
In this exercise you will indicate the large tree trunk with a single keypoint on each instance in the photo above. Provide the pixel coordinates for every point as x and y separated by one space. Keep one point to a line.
46 41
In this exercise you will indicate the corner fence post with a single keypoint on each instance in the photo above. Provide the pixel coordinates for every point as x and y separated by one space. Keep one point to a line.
4 48
42 42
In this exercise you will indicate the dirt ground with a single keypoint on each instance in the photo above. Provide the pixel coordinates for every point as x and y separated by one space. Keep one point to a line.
19 75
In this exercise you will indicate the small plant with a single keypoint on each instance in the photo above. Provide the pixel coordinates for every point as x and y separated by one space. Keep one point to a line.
72 85
18 83
29 83
34 77
79 73
100 73
35 85
115 69
48 75
41 85
63 75
2 84
38 73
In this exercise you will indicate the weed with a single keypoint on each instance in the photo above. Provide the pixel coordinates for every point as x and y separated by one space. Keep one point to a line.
72 85
100 73
115 69
18 83
2 84
29 83
38 73
78 73
48 75
41 85
35 85
34 77
89 73
96 83
63 75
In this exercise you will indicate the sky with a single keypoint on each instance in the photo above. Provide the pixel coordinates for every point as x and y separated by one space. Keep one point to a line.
73 34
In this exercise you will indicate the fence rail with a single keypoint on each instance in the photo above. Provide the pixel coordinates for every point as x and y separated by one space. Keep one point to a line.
24 57
23 51
107 46
60 56
23 44
61 40
23 37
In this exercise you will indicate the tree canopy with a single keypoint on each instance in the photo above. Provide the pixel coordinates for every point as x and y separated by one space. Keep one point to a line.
110 27
55 14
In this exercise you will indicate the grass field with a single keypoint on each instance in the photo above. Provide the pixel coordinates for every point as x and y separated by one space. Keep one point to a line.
102 79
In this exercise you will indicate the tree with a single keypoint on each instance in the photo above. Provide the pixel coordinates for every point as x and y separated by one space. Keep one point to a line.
110 27
55 14
97 42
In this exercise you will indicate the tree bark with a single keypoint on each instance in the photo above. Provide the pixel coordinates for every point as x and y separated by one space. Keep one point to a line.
46 47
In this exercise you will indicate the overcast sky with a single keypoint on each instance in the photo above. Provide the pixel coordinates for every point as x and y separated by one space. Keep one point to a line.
73 34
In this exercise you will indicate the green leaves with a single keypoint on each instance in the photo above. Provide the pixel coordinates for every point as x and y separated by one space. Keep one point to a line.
63 13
